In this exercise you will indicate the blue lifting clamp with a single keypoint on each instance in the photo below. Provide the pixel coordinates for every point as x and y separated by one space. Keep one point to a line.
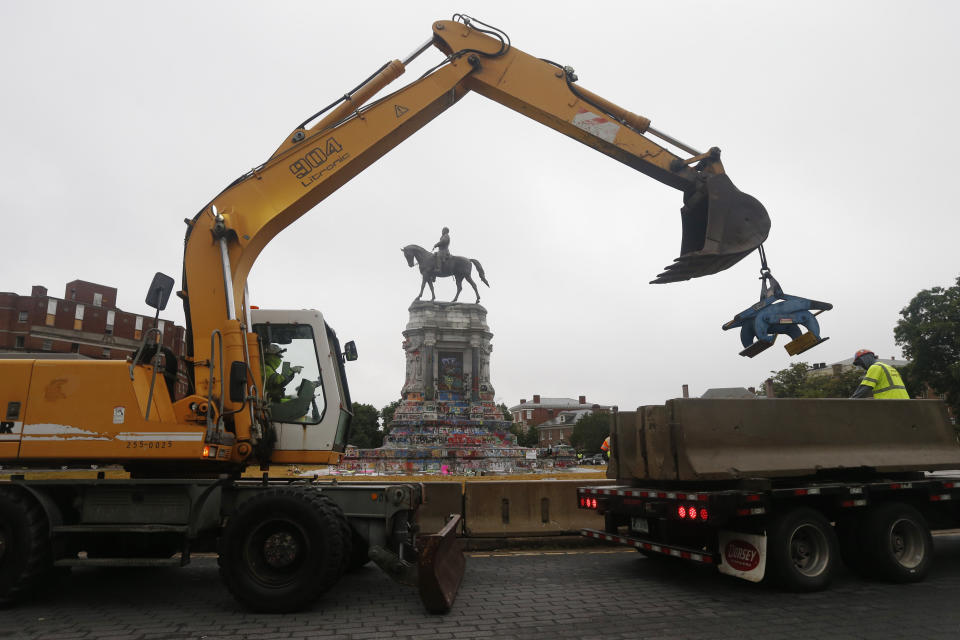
778 313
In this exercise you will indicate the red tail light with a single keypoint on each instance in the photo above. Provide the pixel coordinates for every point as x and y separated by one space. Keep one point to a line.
692 512
704 514
682 512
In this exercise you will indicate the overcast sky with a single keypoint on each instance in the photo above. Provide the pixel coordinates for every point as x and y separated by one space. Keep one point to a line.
120 119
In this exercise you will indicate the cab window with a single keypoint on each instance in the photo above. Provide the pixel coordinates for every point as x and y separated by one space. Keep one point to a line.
292 382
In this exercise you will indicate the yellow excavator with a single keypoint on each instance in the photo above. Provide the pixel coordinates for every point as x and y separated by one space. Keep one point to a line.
282 545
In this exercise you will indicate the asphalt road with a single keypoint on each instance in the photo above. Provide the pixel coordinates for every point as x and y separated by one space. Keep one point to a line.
598 592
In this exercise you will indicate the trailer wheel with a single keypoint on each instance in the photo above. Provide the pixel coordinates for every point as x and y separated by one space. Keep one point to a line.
802 550
281 549
26 555
897 545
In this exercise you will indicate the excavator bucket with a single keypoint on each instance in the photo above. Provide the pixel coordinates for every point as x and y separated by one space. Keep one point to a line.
440 567
721 225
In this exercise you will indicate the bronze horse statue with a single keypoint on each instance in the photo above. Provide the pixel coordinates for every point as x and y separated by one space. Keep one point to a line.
456 266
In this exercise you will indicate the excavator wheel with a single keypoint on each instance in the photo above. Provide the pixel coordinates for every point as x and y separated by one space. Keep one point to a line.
346 533
281 549
25 552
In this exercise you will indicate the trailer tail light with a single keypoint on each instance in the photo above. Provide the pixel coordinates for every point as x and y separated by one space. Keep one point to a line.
588 503
206 452
691 512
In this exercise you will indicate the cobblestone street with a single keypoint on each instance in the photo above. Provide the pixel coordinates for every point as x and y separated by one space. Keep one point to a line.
602 592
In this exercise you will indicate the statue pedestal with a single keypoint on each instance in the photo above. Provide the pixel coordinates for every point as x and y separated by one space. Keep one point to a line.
447 421
447 347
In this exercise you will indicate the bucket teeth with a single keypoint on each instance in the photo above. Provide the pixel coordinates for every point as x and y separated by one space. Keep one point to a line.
721 226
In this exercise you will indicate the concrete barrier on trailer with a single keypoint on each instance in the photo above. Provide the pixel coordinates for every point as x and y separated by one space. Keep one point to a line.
526 508
440 500
726 439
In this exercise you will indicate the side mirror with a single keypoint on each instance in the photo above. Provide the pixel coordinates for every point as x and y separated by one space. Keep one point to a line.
238 381
350 351
159 292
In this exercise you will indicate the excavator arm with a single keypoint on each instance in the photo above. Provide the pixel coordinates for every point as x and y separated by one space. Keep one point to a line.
721 225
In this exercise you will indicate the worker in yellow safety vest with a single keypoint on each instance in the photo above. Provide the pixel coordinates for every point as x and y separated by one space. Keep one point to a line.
605 447
881 380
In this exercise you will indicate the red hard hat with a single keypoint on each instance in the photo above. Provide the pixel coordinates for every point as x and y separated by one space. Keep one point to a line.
863 352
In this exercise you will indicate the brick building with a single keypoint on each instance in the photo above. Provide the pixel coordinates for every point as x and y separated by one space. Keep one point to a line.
85 322
531 414
557 430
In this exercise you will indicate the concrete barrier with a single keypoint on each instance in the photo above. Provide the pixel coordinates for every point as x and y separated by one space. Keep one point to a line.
440 499
526 508
725 439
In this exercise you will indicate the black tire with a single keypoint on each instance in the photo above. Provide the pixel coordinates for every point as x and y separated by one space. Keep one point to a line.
281 549
346 533
26 556
896 542
802 550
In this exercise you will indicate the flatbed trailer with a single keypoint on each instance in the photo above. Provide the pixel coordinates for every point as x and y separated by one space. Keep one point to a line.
792 532
782 491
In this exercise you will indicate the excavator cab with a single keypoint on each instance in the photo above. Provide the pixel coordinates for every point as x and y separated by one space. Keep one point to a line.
305 385
721 226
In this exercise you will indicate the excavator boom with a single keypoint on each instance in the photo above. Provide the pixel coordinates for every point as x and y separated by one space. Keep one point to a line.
720 224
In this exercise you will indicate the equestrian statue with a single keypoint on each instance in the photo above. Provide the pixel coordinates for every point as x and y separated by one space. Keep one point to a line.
443 265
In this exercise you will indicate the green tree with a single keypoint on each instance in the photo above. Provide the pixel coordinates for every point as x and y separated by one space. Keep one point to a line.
365 427
590 431
505 411
787 382
929 334
387 413
830 386
794 382
529 439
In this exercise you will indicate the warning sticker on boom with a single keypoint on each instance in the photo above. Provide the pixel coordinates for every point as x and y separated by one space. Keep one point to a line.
600 126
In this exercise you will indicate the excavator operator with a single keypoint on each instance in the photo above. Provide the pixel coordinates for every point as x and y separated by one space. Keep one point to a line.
278 373
881 381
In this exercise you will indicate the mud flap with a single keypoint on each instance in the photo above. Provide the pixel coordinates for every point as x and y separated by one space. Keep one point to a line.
721 226
743 555
440 567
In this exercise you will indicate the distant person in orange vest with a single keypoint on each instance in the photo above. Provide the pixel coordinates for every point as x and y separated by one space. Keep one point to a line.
605 447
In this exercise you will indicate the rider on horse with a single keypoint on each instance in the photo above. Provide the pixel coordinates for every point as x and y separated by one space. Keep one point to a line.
443 250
